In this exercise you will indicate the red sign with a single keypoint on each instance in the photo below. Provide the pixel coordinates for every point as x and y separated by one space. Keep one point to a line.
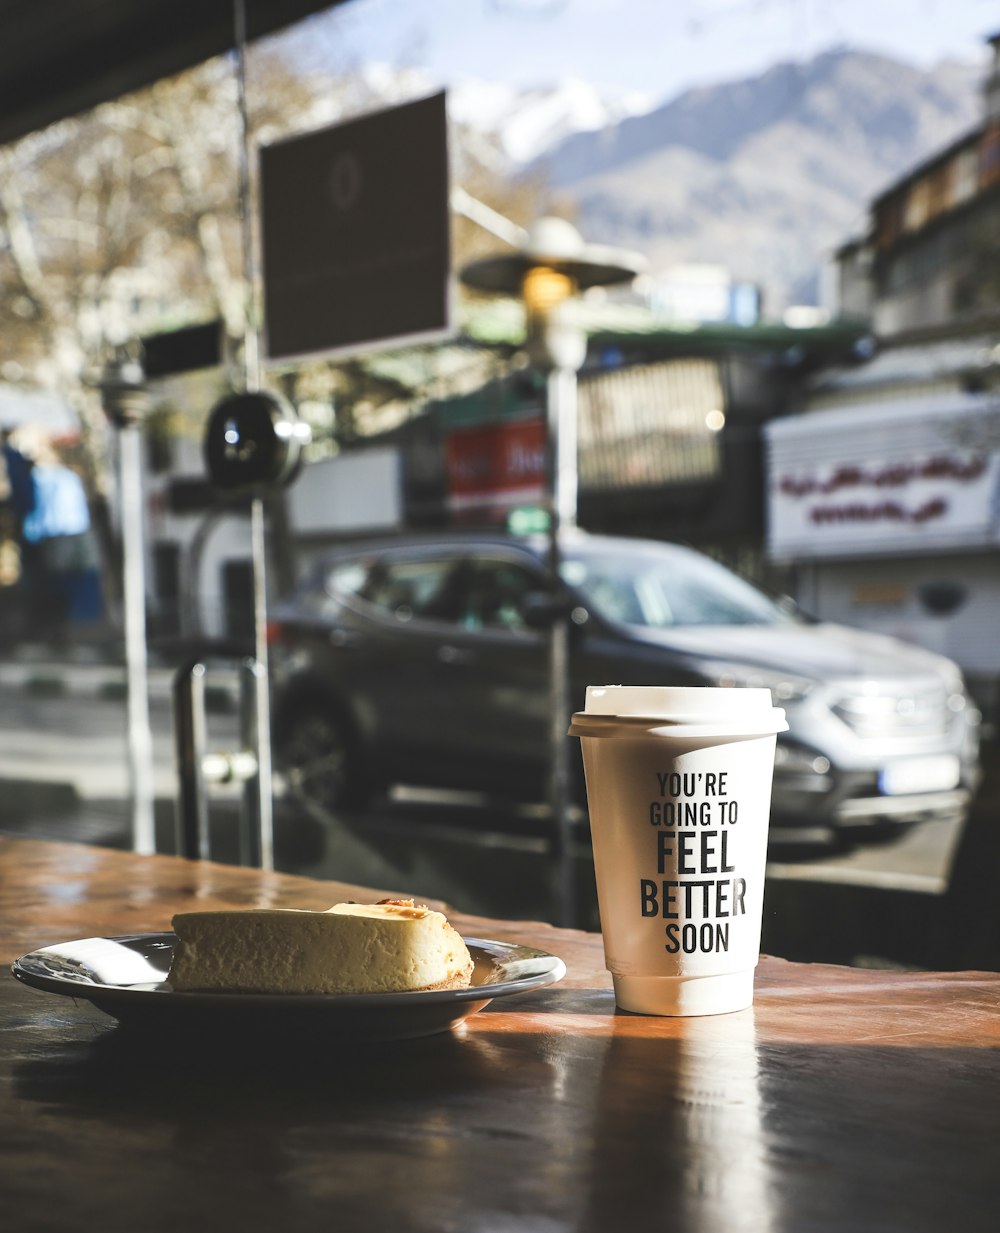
493 467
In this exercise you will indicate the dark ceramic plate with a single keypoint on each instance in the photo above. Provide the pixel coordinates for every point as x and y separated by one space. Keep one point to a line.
126 978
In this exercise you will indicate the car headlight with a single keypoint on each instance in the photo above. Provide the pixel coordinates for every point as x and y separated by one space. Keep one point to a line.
784 686
957 694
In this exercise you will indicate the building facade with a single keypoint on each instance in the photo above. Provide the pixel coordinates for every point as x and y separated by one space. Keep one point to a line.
884 491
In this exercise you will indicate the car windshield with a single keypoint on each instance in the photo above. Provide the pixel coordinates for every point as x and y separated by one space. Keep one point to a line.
667 590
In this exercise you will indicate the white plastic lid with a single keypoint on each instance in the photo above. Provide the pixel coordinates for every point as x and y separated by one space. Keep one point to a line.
678 704
696 710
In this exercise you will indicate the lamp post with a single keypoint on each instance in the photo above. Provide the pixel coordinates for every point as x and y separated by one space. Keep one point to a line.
126 401
254 444
552 267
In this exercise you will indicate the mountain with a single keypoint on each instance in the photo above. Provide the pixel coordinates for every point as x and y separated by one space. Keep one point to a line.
527 124
768 175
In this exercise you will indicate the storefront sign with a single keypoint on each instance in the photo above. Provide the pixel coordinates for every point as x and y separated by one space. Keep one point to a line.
495 467
880 479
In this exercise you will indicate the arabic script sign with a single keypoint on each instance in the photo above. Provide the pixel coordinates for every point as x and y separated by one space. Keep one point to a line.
853 486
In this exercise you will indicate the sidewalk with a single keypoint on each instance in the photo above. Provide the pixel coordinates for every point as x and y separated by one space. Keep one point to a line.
75 754
50 677
83 670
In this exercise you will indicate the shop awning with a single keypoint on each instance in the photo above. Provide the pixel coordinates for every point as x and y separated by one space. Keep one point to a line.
62 57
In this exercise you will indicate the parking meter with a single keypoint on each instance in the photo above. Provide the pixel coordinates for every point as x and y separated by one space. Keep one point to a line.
254 440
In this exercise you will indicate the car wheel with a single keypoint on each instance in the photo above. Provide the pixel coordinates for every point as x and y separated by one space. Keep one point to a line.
320 760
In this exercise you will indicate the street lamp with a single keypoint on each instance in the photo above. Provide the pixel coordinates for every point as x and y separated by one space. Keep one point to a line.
126 401
553 266
254 444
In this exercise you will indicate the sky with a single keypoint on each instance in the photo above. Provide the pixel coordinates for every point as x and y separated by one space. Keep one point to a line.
657 47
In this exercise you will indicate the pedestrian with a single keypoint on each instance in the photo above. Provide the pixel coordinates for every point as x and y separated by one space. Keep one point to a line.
20 502
56 550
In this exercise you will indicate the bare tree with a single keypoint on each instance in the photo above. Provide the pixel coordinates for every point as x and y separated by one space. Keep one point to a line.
127 221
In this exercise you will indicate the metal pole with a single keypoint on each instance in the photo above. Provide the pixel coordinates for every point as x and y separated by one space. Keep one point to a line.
563 384
252 371
261 691
561 413
251 337
190 744
250 813
140 740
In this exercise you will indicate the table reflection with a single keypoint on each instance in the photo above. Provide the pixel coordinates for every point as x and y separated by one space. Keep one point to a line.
677 1131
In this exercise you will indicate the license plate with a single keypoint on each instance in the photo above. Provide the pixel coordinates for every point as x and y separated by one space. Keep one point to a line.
936 774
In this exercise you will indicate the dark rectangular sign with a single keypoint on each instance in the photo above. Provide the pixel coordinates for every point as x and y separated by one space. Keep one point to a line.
185 350
355 233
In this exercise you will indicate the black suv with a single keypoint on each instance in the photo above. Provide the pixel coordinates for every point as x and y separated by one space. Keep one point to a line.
424 660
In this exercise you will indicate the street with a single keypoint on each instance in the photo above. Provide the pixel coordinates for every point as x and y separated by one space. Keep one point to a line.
63 767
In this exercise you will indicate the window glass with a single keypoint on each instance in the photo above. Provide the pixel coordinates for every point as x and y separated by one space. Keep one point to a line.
346 578
493 594
664 590
407 589
326 587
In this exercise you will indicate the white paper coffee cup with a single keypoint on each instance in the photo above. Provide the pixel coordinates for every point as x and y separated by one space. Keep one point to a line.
679 791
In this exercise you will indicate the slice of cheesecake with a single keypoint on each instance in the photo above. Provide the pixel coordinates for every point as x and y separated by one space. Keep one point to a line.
385 947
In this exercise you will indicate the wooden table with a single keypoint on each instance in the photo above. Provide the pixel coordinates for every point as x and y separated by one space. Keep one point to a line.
844 1100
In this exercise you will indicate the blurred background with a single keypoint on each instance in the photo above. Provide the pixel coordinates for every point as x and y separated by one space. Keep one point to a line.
801 385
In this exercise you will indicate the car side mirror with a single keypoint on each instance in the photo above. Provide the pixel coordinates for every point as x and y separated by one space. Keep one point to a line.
541 609
791 608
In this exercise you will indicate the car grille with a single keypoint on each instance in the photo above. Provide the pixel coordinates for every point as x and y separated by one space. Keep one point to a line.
890 713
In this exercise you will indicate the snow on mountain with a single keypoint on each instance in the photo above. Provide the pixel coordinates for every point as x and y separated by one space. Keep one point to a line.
524 124
527 123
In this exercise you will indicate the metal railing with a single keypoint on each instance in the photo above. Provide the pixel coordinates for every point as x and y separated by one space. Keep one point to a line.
198 768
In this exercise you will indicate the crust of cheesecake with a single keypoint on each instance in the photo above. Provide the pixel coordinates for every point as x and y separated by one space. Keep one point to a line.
461 980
